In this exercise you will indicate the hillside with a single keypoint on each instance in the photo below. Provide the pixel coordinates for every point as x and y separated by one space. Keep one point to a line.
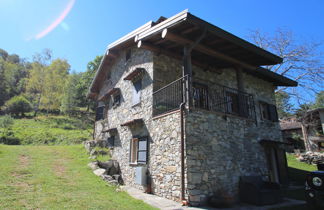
49 130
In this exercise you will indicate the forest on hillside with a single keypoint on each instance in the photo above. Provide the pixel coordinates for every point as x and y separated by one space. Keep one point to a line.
43 84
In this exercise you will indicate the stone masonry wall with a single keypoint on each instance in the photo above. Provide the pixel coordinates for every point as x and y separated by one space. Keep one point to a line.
219 149
163 133
222 148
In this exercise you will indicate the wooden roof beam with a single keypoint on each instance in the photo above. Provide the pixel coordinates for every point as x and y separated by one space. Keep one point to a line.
159 50
206 50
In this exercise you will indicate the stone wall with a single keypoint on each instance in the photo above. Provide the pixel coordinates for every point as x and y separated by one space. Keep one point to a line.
163 133
219 148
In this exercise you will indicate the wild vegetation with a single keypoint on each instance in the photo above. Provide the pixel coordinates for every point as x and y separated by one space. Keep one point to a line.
57 177
49 130
42 102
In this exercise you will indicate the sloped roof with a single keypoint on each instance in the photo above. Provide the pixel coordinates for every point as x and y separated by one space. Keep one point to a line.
290 125
217 48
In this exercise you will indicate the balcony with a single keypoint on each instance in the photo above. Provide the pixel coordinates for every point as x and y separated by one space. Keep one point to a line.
217 98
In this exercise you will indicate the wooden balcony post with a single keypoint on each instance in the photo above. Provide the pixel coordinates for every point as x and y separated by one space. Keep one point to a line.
187 70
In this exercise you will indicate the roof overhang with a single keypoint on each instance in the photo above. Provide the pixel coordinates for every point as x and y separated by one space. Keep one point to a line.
217 48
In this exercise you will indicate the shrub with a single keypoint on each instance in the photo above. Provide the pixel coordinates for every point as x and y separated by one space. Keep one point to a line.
6 122
18 105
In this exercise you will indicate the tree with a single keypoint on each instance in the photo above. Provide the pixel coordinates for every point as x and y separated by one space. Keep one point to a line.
3 54
86 80
56 75
284 107
319 101
71 94
35 86
302 61
18 105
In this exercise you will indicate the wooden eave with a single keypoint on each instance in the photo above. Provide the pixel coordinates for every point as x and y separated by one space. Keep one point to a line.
218 48
134 74
110 92
132 122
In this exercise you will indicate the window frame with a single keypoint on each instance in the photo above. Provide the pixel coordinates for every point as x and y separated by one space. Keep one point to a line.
135 150
268 111
115 102
137 92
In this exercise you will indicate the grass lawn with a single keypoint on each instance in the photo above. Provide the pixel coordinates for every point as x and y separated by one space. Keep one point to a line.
55 177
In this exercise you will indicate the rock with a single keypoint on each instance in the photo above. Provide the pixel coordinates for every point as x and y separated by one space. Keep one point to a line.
107 178
99 172
89 145
112 167
171 168
118 178
113 182
93 165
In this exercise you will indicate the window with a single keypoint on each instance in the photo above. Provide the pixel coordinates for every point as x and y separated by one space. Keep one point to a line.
128 54
100 113
232 104
116 100
268 111
111 141
138 150
137 92
200 95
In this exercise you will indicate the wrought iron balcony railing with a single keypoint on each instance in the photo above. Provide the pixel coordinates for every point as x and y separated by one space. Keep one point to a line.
217 98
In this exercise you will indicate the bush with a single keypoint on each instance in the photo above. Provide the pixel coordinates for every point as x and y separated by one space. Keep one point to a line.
6 122
18 105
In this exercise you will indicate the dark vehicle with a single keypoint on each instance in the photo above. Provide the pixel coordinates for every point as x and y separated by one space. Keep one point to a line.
315 187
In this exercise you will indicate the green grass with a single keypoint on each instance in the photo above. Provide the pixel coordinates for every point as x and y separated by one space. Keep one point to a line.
297 170
51 130
55 177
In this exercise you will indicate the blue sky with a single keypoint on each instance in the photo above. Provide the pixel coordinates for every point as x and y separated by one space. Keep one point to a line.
78 30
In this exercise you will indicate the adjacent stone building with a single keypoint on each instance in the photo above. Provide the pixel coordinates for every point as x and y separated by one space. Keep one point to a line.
186 109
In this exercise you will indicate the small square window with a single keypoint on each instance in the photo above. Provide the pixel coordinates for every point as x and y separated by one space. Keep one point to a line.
116 100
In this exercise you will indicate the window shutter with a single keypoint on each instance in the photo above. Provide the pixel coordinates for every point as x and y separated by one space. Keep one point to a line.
273 112
137 92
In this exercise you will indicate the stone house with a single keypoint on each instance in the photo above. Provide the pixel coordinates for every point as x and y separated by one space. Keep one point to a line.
292 134
312 126
187 109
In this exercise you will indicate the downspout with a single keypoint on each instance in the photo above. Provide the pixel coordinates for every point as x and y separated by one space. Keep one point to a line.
183 199
187 71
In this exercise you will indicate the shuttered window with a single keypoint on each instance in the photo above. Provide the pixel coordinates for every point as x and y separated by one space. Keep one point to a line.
137 86
268 111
